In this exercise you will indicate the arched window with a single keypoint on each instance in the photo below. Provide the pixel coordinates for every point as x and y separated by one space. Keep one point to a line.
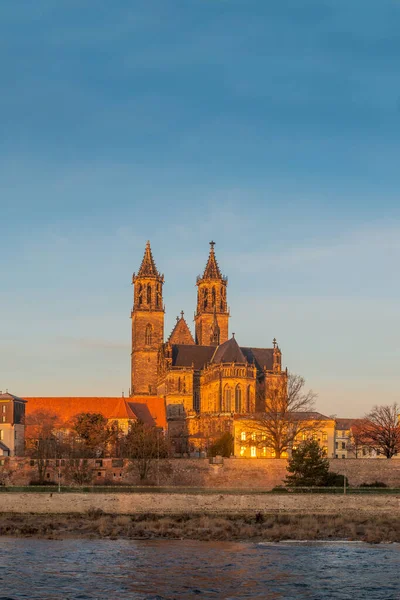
158 296
149 294
213 296
205 297
227 399
222 298
140 294
248 399
148 335
238 399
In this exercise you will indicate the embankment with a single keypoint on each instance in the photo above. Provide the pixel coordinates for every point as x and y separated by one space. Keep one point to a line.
198 503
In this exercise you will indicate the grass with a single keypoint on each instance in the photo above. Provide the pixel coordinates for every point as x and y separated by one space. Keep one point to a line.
124 489
232 527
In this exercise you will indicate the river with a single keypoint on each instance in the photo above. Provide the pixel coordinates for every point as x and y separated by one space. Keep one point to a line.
157 570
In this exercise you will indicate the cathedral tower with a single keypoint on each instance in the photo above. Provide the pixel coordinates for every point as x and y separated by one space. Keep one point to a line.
147 326
212 314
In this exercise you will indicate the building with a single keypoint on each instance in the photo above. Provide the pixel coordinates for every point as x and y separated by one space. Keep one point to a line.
12 428
204 378
250 440
123 411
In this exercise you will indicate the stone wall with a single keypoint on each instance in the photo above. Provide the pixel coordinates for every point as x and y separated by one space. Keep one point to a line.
240 474
41 503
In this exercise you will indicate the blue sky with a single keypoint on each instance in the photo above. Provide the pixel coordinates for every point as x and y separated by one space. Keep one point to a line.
271 127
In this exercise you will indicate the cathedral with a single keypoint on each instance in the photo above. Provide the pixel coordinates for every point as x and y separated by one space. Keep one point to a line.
207 381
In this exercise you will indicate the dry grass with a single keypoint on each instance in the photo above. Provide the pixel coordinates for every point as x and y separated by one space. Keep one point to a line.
255 527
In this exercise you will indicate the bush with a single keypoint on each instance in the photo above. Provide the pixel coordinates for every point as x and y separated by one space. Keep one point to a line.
375 484
336 480
278 489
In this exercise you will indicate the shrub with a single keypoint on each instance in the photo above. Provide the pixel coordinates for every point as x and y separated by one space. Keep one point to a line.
375 484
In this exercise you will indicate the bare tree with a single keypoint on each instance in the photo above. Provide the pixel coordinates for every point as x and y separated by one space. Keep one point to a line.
381 429
357 442
143 445
42 440
287 415
6 471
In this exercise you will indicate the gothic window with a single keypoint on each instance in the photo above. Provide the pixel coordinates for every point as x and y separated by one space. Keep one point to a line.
227 399
238 399
149 294
148 335
248 399
158 296
140 294
213 296
205 298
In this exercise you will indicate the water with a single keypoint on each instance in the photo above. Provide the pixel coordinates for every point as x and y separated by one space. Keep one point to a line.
157 570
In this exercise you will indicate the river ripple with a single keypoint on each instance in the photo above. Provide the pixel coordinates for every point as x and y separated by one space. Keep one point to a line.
156 570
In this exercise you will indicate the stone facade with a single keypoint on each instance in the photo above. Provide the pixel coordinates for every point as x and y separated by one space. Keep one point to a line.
204 379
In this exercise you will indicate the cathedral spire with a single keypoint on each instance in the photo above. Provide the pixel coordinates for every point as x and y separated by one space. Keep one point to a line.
148 267
212 270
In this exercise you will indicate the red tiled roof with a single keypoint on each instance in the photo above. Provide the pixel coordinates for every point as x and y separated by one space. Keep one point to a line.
156 408
110 408
68 407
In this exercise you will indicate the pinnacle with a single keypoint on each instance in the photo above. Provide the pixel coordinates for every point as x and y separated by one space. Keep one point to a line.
148 267
212 270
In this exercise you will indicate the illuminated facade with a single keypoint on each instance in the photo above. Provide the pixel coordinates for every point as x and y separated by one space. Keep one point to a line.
204 379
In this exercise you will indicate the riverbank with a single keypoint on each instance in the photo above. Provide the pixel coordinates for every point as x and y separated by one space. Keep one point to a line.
218 527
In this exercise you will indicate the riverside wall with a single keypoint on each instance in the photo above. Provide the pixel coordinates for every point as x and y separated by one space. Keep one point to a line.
233 473
170 503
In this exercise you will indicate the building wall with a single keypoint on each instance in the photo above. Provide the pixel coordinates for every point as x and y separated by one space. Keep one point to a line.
144 355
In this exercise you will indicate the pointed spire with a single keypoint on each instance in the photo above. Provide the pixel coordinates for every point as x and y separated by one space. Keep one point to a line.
212 270
148 267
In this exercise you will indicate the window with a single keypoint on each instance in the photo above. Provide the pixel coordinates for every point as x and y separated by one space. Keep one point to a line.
227 399
149 294
4 408
140 295
343 456
238 399
213 296
242 450
243 436
205 298
325 450
337 446
324 436
3 419
148 334
284 454
253 436
343 445
304 436
248 399
253 451
315 437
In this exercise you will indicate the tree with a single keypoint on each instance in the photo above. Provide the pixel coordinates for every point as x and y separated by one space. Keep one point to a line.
223 446
285 416
6 471
78 471
380 429
94 433
357 438
308 466
143 445
42 441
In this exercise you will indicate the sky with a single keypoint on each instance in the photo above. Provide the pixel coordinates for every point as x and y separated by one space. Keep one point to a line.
269 126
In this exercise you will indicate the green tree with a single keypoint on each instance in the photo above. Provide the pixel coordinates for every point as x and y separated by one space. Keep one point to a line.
308 466
223 446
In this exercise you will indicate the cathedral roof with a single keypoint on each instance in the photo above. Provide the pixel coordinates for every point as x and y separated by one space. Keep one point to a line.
261 357
212 270
228 352
187 356
181 333
148 267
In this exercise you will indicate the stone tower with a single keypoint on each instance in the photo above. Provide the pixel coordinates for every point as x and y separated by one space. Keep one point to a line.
212 314
147 326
